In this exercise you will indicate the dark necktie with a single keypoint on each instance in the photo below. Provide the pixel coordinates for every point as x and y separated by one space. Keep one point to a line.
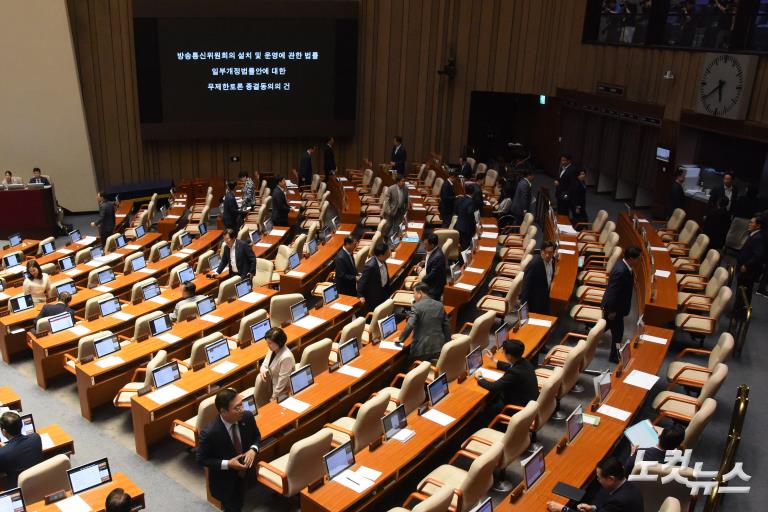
236 440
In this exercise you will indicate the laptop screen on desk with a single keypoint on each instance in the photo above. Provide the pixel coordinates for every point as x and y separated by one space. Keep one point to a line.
12 500
299 311
205 306
89 476
106 345
259 329
60 322
243 288
293 261
66 263
150 291
533 467
249 404
502 334
394 422
109 306
625 355
139 231
330 294
14 240
159 325
438 389
97 252
186 275
301 379
474 360
217 351
339 460
255 237
120 242
267 226
21 303
522 314
349 350
166 374
388 326
75 236
574 422
202 229
185 239
138 263
68 287
312 245
11 260
485 506
48 248
106 276
165 251
213 261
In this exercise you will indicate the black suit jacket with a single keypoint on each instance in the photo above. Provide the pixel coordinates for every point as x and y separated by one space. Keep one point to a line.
329 159
626 498
346 274
280 207
718 192
436 274
518 384
53 310
215 445
564 187
230 214
521 200
398 156
41 179
578 197
19 454
676 198
618 294
369 287
464 209
305 167
466 170
535 288
244 258
106 220
447 197
751 256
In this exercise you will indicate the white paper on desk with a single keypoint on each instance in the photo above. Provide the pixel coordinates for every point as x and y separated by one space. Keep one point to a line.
404 434
109 257
614 412
347 187
160 300
73 504
662 249
540 322
252 297
263 244
418 208
93 263
4 296
389 345
491 375
473 269
341 178
295 273
65 251
292 404
179 255
122 315
340 306
109 362
567 229
653 339
79 330
416 225
172 216
169 338
294 202
488 235
73 272
641 379
662 273
491 226
132 247
224 367
87 240
353 481
438 417
211 318
188 251
47 441
309 322
486 249
566 251
368 473
395 261
146 270
278 232
567 243
166 393
343 232
352 371
465 286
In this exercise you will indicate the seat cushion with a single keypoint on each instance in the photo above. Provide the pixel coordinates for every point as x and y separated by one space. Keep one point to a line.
185 432
689 374
280 463
449 475
123 399
694 323
595 295
487 434
678 407
403 298
500 283
492 303
586 313
340 437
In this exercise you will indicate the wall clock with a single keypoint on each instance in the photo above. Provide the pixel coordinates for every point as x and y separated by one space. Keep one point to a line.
725 85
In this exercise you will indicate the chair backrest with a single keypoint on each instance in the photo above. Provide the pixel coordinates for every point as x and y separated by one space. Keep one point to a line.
197 353
710 263
49 268
437 186
127 266
374 242
262 391
613 259
206 412
717 281
412 393
316 355
314 225
438 502
611 243
298 244
510 300
154 251
600 219
671 504
315 183
111 243
43 242
353 329
517 436
305 461
609 228
530 234
281 258
141 327
481 330
448 234
93 276
479 477
449 247
264 270
280 308
82 256
176 240
367 176
527 221
548 398
593 340
376 186
480 169
689 230
266 204
676 219
360 259
52 292
367 426
173 275
85 344
244 332
721 351
136 295
657 490
720 301
452 360
430 179
712 384
698 423
158 360
92 305
45 478
380 312
699 247
490 178
572 368
528 249
201 267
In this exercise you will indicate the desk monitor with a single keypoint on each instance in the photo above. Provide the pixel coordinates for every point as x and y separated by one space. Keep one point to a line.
21 303
75 236
339 460
388 326
533 467
48 248
522 314
202 228
150 291
12 500
68 287
97 252
394 241
268 226
602 384
35 185
349 350
213 262
575 422
107 345
663 154
14 240
301 379
89 476
293 260
185 239
106 276
160 325
66 263
11 260
625 355
205 306
243 288
312 246
326 234
485 506
249 404
139 231
186 275
109 306
27 426
299 311
456 271
61 322
502 334
165 251
474 360
255 237
394 422
259 329
138 263
166 374
330 294
335 223
437 389
466 256
216 351
120 242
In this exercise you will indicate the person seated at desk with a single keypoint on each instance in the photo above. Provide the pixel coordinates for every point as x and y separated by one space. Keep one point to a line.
429 324
37 177
374 285
518 385
244 262
278 364
436 269
8 180
346 271
36 283
20 452
670 439
56 308
188 294
617 494
118 501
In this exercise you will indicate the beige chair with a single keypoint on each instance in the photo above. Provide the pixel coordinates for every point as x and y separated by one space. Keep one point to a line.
280 308
546 405
518 253
697 280
244 335
154 251
588 240
681 407
45 478
655 493
202 266
452 360
694 254
673 224
196 357
173 276
503 306
571 370
141 327
227 290
448 234
688 301
380 312
301 466
298 244
687 373
671 504
316 355
92 305
188 431
261 391
363 424
507 270
42 242
679 244
698 423
602 251
265 274
111 243
597 270
49 268
438 502
281 258
480 330
514 440
591 231
93 276
513 235
557 354
411 391
353 329
136 295
123 397
85 349
700 326
82 256
127 266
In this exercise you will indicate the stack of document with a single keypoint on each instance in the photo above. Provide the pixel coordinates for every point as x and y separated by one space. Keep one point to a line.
358 480
438 417
403 435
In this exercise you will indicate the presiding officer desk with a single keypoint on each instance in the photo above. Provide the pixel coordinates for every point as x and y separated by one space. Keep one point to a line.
39 219
96 497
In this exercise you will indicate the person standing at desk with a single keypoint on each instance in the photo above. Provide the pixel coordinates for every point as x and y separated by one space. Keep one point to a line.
429 325
106 220
676 193
230 212
280 206
20 452
398 156
305 167
278 364
518 385
447 197
749 261
37 177
243 263
396 204
227 448
464 209
57 308
248 194
346 270
563 184
521 201
435 266
579 197
465 168
374 286
617 299
36 283
617 494
537 279
727 190
329 158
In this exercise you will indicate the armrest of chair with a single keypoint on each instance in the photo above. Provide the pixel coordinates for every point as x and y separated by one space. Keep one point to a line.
695 351
695 367
429 480
182 363
691 316
476 439
184 424
340 429
592 290
138 374
696 281
511 407
353 411
688 267
465 326
570 335
695 306
671 415
283 477
500 418
462 453
398 377
584 233
70 357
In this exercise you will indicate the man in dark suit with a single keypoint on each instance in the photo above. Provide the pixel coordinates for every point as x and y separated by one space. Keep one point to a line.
346 271
20 452
56 308
329 158
676 193
749 261
227 448
537 279
374 287
106 220
436 268
518 384
578 197
464 209
305 166
465 169
428 323
617 299
563 183
398 156
37 177
617 494
230 213
280 207
244 262
447 197
521 202
727 189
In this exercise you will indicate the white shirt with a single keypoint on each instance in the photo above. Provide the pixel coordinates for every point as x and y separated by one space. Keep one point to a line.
232 259
228 426
549 269
728 192
382 271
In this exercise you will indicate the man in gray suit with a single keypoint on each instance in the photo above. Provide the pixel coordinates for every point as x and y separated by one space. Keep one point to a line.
397 202
521 202
429 325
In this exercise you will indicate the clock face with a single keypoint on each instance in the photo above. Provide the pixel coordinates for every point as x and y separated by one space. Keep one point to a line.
722 85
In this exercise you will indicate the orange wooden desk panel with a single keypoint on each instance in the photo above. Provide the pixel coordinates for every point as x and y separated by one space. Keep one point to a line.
170 223
84 243
96 497
122 213
481 259
576 464
315 267
9 398
533 336
270 242
566 268
62 442
27 246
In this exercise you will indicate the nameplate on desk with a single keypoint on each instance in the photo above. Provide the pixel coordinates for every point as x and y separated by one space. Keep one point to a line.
79 330
438 417
404 434
416 225
395 261
166 393
489 235
263 244
343 232
122 315
341 307
132 247
352 371
341 178
252 297
491 375
93 263
73 272
278 232
292 404
309 322
465 286
65 251
389 345
211 319
643 220
653 339
159 300
475 270
109 362
641 379
566 251
294 202
567 229
662 249
172 216
662 273
568 243
169 338
418 208
295 273
486 249
540 322
73 504
4 296
224 367
46 440
614 412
